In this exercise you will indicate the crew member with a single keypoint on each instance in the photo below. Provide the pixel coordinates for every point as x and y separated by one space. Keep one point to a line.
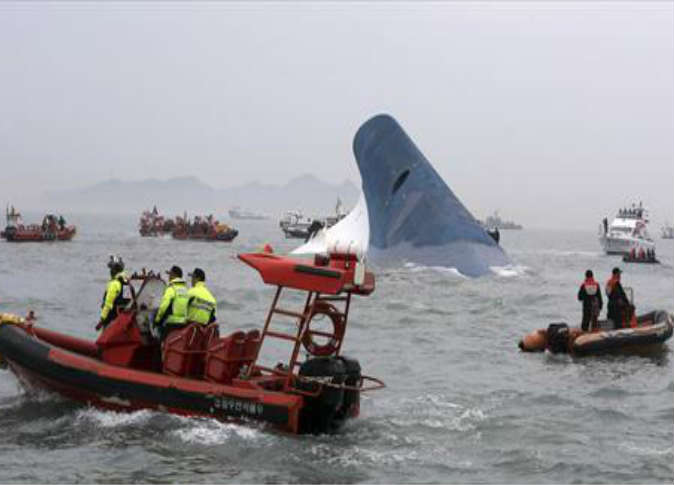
642 253
618 305
172 312
201 303
590 294
114 295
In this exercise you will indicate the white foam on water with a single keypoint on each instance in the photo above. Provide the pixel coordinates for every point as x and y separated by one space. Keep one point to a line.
420 268
646 450
214 432
113 419
509 271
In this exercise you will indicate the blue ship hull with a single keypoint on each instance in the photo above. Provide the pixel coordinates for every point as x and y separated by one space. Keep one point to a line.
413 215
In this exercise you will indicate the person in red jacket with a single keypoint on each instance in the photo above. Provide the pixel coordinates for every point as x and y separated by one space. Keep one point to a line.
590 294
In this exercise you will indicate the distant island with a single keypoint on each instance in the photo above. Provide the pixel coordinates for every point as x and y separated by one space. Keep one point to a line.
175 195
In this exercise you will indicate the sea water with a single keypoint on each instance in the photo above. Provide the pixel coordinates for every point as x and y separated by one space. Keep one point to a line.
463 404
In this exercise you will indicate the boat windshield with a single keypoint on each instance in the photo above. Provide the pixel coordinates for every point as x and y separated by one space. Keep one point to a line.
147 300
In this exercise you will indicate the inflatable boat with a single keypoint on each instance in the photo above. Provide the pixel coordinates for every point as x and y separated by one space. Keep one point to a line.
195 371
645 333
224 234
629 259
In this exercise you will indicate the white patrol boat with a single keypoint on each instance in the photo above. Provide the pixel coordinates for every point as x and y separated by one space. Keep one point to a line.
628 230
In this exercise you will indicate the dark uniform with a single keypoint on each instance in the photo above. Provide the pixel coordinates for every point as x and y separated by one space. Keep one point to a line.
618 303
590 294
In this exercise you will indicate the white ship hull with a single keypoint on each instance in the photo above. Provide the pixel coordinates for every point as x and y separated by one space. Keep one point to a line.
622 245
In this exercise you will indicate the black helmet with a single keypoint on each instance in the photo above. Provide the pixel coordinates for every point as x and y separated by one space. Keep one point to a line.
198 274
116 264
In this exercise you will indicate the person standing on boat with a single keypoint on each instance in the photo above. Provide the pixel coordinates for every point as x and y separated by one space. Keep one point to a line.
114 294
590 294
618 305
172 312
201 302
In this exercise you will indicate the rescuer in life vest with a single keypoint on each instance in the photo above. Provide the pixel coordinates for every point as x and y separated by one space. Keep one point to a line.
114 294
172 312
619 307
201 303
590 294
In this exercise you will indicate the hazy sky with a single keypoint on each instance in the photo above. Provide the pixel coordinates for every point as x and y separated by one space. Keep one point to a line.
555 113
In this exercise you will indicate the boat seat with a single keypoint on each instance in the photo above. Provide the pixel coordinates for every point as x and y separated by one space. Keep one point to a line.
226 356
184 349
121 343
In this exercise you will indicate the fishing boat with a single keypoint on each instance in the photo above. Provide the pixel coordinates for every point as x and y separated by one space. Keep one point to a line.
643 334
296 225
153 224
195 372
495 222
52 229
627 231
203 229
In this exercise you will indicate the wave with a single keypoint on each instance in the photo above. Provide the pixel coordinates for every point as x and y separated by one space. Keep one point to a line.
212 432
509 271
113 419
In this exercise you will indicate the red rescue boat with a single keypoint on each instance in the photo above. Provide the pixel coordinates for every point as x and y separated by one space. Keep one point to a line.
198 373
203 228
51 229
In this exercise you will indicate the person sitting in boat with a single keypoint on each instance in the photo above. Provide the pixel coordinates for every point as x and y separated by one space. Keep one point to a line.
619 306
114 292
172 312
590 294
62 223
201 302
633 253
642 253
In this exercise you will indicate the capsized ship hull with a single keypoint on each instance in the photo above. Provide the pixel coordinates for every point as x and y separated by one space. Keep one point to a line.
412 216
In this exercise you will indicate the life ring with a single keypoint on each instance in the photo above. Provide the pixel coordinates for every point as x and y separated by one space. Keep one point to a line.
335 338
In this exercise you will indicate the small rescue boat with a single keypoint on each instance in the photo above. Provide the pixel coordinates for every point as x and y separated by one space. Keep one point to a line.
195 372
203 229
49 230
645 333
153 224
630 259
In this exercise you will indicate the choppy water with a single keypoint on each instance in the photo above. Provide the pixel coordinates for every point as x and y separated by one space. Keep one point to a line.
462 403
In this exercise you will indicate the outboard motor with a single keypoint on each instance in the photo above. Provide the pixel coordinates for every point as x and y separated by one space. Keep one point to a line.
558 338
351 404
321 414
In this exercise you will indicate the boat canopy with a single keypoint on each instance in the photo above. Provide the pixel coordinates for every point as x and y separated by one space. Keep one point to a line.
333 277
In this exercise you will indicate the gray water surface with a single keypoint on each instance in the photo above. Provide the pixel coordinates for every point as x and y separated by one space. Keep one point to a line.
462 403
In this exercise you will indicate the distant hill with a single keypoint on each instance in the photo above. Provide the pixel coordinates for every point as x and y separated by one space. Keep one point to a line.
306 192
